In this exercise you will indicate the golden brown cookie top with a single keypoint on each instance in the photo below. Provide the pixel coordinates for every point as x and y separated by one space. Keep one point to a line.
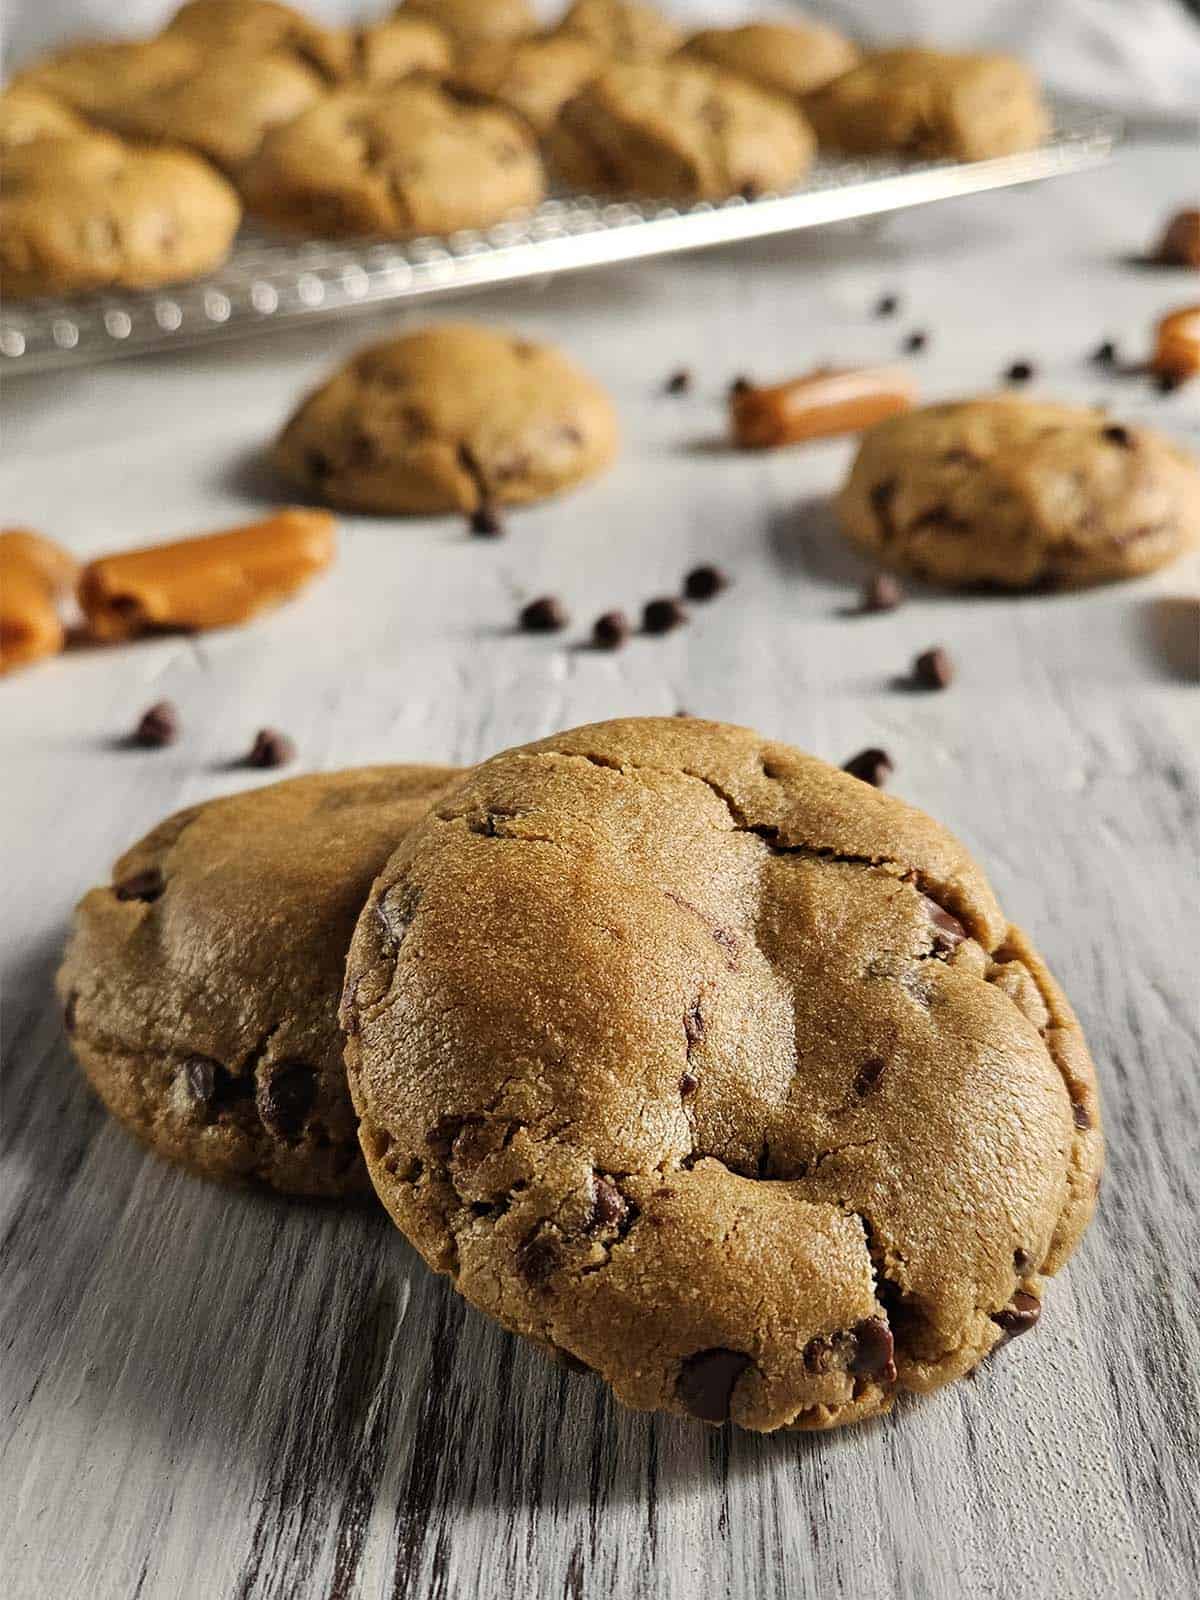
1014 492
201 986
534 76
792 57
450 417
470 22
625 30
720 1070
99 79
27 114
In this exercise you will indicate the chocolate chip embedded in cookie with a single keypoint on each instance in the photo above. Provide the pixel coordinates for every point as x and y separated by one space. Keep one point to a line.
449 418
398 162
679 128
201 989
928 103
1012 493
625 30
720 1070
793 58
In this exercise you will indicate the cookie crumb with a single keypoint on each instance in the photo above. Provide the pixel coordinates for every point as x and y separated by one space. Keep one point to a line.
271 749
158 726
547 614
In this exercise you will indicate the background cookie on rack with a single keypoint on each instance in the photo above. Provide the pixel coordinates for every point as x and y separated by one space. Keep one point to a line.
792 57
625 30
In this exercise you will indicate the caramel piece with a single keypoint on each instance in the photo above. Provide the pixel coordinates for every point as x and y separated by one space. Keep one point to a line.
207 582
33 572
1180 244
1177 343
819 405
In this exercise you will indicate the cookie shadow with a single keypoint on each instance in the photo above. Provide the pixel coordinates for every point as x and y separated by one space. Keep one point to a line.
1170 636
804 542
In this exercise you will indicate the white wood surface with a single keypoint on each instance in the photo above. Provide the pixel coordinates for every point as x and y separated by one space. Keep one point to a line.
210 1395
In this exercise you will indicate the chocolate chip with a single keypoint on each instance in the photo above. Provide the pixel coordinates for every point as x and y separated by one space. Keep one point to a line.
679 382
200 1080
271 749
872 766
538 1257
933 669
1105 354
1019 372
286 1095
948 931
547 614
609 1206
706 1383
485 523
740 385
318 465
693 1027
916 342
1168 382
702 583
69 1010
883 593
147 885
1019 1315
688 1084
874 1351
157 726
887 305
663 614
1116 434
1022 1261
610 631
1080 1114
868 1075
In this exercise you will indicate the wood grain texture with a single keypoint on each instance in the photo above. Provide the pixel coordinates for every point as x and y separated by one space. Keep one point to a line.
210 1395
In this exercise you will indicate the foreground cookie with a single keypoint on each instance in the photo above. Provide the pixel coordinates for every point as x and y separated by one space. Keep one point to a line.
408 160
99 80
720 1071
1015 493
926 103
200 990
447 419
791 57
90 212
681 129
28 114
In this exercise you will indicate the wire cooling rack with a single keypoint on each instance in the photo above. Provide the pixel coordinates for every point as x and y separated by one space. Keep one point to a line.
268 282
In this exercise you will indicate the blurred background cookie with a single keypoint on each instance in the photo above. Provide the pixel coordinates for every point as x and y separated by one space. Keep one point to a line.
793 57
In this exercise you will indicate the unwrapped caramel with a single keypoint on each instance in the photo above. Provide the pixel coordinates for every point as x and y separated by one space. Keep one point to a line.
1177 344
819 405
34 571
211 581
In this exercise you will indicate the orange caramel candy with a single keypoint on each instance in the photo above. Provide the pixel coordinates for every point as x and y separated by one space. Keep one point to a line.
211 581
34 571
819 405
1177 343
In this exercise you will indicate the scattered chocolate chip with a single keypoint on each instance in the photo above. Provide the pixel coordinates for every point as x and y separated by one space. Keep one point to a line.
887 305
1022 1261
147 885
706 1383
679 382
609 1206
538 1257
948 931
286 1095
688 1084
663 614
157 726
1168 382
916 342
1019 372
868 1075
1079 1113
933 669
544 615
1105 354
872 766
1019 1315
874 1351
69 1010
610 631
271 749
702 583
485 522
1116 434
740 385
883 593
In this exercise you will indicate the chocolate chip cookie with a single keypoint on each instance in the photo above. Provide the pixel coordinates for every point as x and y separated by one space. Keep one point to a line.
679 129
793 58
720 1071
625 30
398 162
927 103
1011 493
99 80
450 418
200 988
535 76
91 212
27 114
470 22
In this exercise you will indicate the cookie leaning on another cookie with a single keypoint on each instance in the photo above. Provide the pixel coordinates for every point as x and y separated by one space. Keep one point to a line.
793 58
625 30
719 1070
200 990
449 418
1011 493
535 76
